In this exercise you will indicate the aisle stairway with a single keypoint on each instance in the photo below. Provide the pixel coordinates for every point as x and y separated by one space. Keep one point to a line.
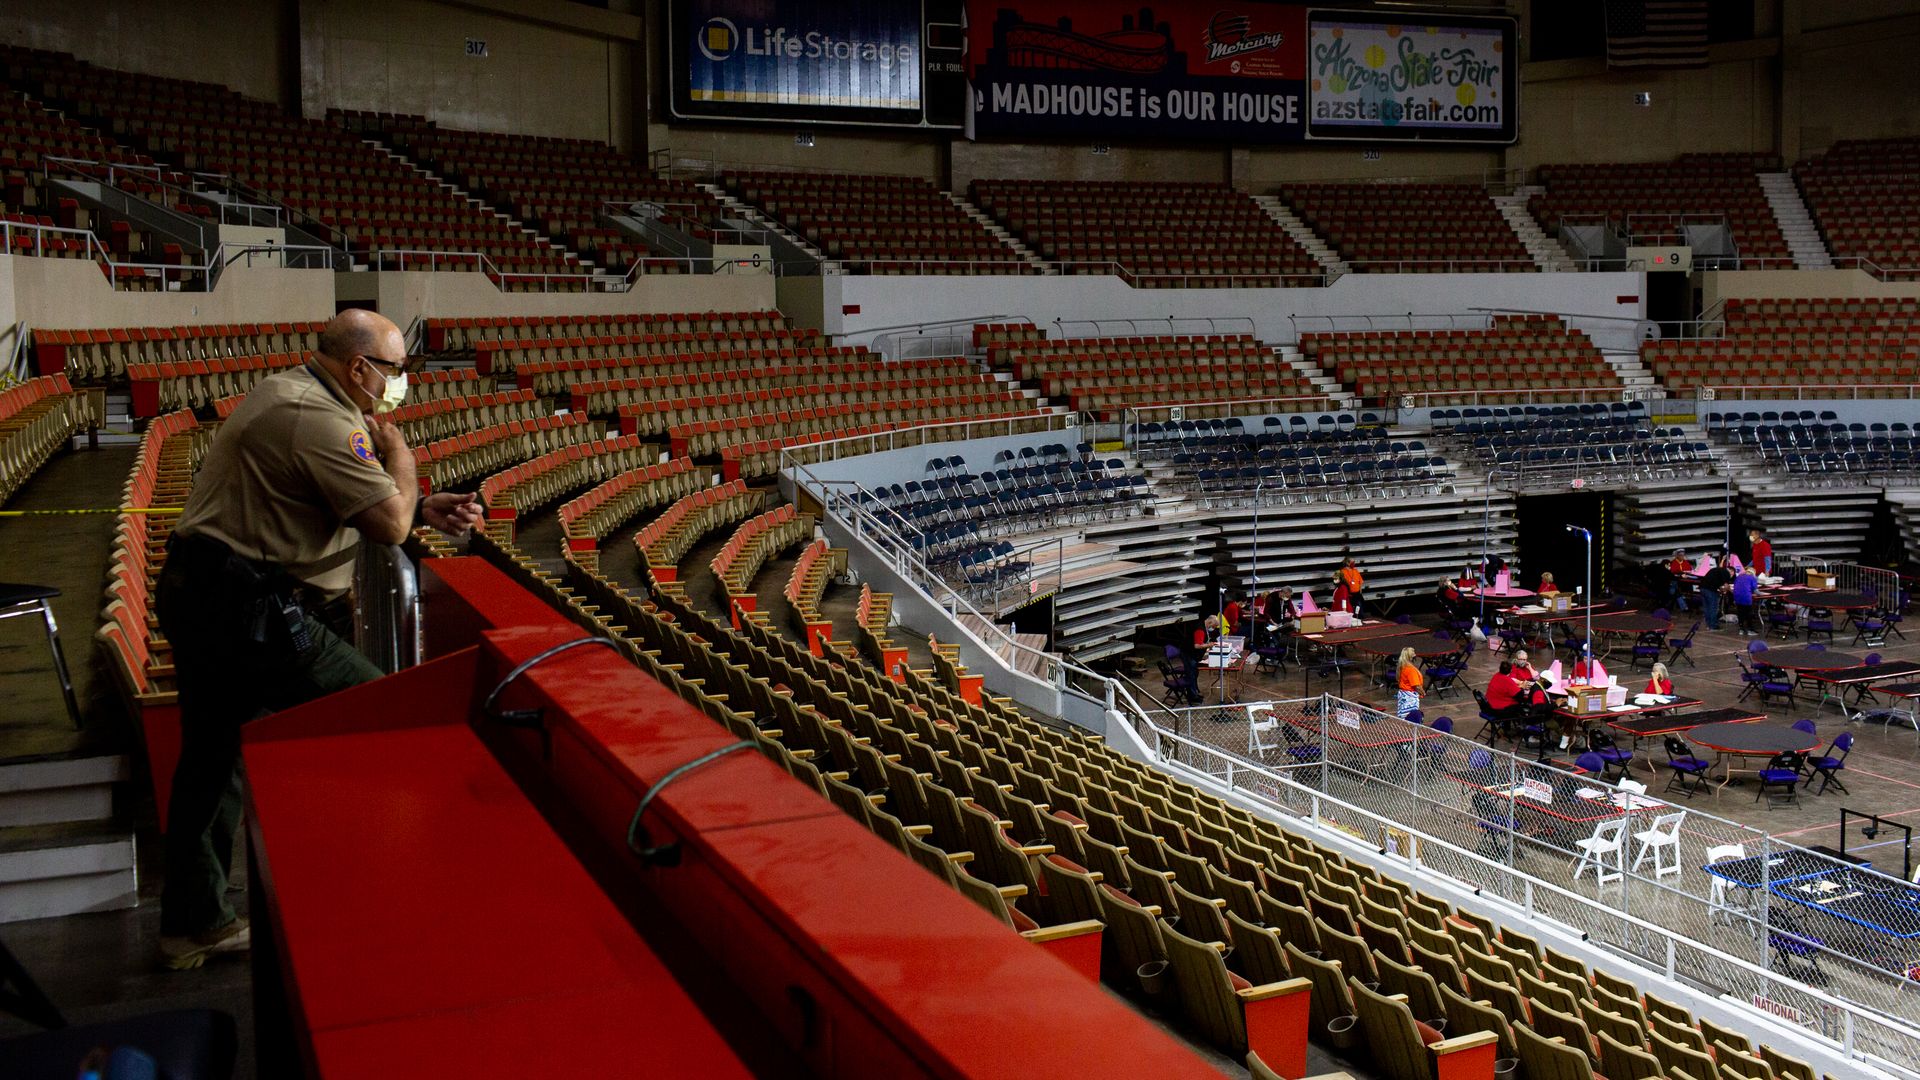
63 849
1001 233
1796 224
1322 252
1906 514
1546 251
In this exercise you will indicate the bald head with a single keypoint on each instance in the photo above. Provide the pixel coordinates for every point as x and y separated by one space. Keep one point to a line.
359 332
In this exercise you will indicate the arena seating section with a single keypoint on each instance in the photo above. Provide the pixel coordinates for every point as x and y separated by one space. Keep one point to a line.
556 185
1773 348
1800 442
878 224
1063 834
1650 199
361 197
37 417
1863 196
31 134
1535 353
1152 233
1339 457
1411 228
1614 436
1107 375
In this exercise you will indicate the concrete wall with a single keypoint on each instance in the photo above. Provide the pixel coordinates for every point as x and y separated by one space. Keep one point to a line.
73 294
888 301
237 43
1719 285
1576 111
402 296
552 67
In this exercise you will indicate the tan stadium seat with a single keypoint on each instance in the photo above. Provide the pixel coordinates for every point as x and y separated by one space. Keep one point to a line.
1543 1057
1406 1049
1621 1061
1270 1019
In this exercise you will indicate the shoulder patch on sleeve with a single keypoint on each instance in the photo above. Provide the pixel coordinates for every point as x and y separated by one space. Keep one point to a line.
362 446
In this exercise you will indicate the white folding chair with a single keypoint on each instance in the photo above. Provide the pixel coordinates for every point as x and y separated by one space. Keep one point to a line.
1262 731
1662 841
1601 850
1720 908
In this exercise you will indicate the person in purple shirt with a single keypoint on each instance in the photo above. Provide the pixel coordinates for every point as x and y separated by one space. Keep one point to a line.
1743 587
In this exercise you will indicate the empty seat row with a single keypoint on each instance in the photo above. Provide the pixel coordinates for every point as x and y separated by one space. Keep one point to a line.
37 417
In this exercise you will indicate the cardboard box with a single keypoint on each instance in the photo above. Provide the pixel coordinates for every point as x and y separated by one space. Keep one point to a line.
1587 699
1819 579
1560 605
1313 622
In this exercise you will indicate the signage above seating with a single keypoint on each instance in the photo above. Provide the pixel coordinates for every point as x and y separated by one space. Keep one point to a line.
1252 73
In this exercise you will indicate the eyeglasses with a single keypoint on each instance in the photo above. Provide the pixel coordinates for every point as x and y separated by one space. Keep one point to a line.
399 366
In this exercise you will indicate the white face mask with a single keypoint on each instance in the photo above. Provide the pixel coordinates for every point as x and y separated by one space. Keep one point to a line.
393 392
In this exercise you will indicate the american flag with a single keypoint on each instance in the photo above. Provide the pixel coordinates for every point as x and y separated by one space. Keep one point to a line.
1656 33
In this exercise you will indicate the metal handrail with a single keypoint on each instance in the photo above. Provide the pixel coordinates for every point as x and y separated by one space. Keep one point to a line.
386 607
1465 265
157 174
1172 323
1854 391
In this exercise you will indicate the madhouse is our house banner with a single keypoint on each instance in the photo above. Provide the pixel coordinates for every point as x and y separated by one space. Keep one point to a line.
1243 73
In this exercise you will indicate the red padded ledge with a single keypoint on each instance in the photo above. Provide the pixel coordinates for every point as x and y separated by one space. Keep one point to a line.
428 920
783 892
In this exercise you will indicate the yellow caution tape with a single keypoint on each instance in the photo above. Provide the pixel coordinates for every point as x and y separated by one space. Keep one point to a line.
106 510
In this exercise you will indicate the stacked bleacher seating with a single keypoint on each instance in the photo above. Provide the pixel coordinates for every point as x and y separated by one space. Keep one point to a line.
1651 200
449 463
382 210
161 478
30 135
1333 459
658 392
1152 233
563 350
1863 196
662 541
1537 355
519 489
806 584
37 417
97 356
758 435
753 545
557 185
455 338
879 224
1411 228
958 518
1062 830
1820 447
1777 348
1612 437
586 520
1213 375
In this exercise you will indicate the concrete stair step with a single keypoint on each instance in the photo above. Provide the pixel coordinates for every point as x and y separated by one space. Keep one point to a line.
63 788
66 868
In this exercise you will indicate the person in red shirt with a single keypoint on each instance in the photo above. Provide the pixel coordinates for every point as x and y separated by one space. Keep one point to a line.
1661 682
1232 613
1762 558
1342 599
1503 690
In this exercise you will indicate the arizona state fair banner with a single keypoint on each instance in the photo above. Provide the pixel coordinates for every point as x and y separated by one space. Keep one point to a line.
1449 79
1251 72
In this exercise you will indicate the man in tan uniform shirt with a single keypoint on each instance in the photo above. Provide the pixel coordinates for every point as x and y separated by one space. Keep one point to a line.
251 595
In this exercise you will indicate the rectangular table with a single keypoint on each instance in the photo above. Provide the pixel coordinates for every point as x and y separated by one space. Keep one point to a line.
1858 681
1754 870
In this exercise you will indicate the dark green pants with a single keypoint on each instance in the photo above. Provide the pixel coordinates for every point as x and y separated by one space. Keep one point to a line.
225 679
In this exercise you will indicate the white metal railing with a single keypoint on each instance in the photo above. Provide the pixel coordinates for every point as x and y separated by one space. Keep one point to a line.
942 337
922 435
1816 391
1174 325
1462 265
1646 920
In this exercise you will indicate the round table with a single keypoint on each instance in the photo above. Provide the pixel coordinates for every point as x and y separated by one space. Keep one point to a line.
1732 740
1803 659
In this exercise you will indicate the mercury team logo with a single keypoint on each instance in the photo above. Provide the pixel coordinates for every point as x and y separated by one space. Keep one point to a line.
717 39
361 446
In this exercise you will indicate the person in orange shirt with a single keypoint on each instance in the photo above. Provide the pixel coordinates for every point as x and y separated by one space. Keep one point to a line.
1350 576
1412 684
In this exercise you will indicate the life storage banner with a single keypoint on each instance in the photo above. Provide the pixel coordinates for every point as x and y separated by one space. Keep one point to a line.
1083 68
1431 77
